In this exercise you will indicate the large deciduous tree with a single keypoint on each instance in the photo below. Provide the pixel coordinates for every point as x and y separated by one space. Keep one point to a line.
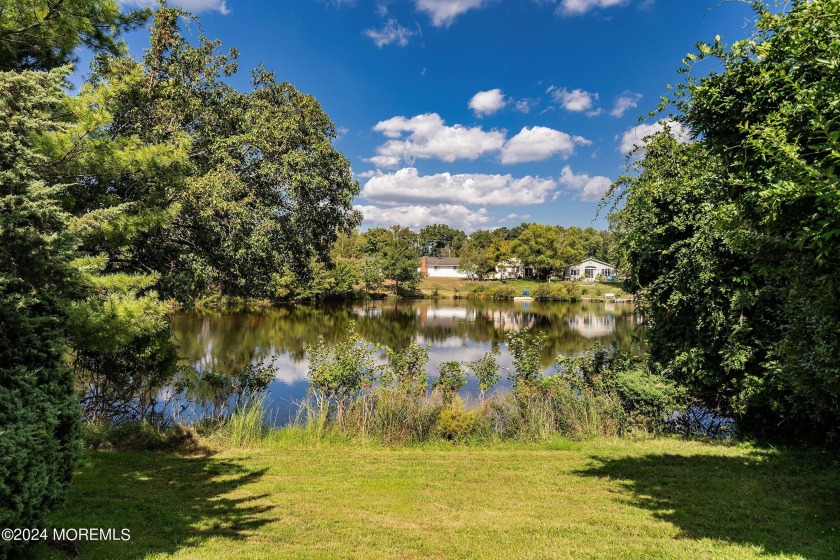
477 255
745 282
253 193
440 240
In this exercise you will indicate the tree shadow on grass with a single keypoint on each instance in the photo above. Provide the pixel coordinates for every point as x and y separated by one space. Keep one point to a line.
784 502
167 501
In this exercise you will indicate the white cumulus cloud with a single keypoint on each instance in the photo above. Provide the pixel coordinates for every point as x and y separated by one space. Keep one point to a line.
428 136
589 189
625 101
415 216
390 33
636 135
487 102
578 7
525 105
194 6
444 12
539 143
407 186
576 100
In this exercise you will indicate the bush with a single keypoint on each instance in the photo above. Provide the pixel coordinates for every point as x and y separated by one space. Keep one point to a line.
479 288
565 291
645 398
407 368
543 292
456 424
338 373
526 348
486 371
451 379
502 293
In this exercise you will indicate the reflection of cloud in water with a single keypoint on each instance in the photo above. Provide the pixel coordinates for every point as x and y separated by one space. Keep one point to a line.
451 342
288 370
367 311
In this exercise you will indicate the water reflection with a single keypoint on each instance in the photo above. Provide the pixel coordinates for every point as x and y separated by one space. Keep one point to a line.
455 331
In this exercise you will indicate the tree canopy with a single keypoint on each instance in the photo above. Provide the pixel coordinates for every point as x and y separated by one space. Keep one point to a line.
731 239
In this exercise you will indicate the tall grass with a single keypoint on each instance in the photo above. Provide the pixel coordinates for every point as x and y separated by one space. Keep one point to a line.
247 426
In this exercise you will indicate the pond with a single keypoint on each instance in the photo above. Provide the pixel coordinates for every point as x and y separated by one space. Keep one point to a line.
453 329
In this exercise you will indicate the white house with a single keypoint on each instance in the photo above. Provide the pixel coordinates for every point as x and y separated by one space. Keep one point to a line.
509 269
441 267
590 269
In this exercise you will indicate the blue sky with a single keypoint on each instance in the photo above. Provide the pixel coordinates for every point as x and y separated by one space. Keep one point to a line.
475 113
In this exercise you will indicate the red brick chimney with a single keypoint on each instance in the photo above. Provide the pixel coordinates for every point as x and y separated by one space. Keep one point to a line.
424 269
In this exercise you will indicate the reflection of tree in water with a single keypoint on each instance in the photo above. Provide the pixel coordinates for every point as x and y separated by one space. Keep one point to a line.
226 342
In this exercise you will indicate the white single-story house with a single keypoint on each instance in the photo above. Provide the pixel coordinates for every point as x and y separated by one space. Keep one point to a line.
441 267
509 269
590 269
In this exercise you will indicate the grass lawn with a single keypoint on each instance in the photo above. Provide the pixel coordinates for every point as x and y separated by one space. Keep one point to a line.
447 286
661 498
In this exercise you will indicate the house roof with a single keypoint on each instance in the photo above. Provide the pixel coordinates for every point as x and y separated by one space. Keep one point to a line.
442 261
594 260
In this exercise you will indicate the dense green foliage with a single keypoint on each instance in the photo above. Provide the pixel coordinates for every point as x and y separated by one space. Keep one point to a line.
451 379
598 393
732 240
42 34
39 419
440 240
247 194
156 181
39 284
486 371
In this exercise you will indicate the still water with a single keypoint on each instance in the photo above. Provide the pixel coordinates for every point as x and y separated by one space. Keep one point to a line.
453 330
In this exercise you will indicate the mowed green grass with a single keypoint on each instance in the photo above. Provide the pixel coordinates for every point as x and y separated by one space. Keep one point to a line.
662 498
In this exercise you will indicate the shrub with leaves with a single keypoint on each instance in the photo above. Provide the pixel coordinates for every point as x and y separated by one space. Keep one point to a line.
450 380
646 398
486 371
407 368
526 347
456 424
338 373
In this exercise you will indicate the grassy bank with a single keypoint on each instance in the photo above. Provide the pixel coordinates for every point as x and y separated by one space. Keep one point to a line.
460 287
604 498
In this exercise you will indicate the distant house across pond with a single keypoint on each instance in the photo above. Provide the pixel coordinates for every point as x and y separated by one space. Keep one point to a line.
441 267
590 269
509 269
